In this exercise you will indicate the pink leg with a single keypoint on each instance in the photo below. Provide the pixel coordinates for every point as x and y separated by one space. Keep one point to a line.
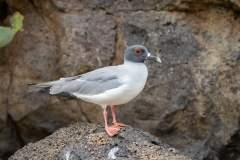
112 130
114 119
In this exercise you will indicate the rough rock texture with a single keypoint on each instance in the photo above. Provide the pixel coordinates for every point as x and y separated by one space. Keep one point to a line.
191 101
90 141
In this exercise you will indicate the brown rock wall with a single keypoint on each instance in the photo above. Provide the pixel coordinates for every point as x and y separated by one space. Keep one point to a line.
190 100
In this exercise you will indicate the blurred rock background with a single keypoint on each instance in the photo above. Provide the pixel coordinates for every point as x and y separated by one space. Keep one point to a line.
191 101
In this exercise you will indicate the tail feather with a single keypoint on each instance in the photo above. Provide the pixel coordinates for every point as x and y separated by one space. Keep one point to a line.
46 90
44 84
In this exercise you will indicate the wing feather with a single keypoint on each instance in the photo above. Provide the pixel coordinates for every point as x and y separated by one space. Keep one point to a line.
91 83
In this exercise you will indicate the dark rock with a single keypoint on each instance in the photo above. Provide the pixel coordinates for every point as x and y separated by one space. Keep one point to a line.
9 137
231 151
10 140
90 141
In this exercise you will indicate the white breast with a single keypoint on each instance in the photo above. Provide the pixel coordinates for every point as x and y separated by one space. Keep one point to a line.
133 82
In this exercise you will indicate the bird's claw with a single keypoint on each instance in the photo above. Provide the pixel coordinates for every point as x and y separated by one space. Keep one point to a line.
112 130
120 124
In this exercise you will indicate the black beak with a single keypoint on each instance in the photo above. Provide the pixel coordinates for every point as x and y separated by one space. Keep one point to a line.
151 57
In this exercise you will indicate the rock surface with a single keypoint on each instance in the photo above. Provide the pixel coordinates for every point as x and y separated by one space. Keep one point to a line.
90 141
191 101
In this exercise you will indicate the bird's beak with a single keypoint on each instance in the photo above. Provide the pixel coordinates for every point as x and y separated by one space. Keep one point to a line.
151 57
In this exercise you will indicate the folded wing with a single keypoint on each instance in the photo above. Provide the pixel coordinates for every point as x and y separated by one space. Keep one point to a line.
91 83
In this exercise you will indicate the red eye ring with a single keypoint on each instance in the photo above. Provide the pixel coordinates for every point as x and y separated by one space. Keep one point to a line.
137 50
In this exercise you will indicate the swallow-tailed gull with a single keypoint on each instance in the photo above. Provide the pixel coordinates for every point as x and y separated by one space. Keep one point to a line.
108 86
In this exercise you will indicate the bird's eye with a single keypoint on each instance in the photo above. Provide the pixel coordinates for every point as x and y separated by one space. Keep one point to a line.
137 51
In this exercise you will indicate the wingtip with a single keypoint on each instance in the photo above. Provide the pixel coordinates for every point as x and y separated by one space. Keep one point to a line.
38 90
31 84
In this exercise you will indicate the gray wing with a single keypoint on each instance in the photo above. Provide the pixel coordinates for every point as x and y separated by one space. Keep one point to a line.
91 83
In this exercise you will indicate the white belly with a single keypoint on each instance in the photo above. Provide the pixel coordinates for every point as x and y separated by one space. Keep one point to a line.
133 83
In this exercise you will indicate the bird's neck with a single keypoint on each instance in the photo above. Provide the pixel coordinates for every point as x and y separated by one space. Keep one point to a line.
126 62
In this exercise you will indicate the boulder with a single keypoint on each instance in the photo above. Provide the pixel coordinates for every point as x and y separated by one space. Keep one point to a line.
90 141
